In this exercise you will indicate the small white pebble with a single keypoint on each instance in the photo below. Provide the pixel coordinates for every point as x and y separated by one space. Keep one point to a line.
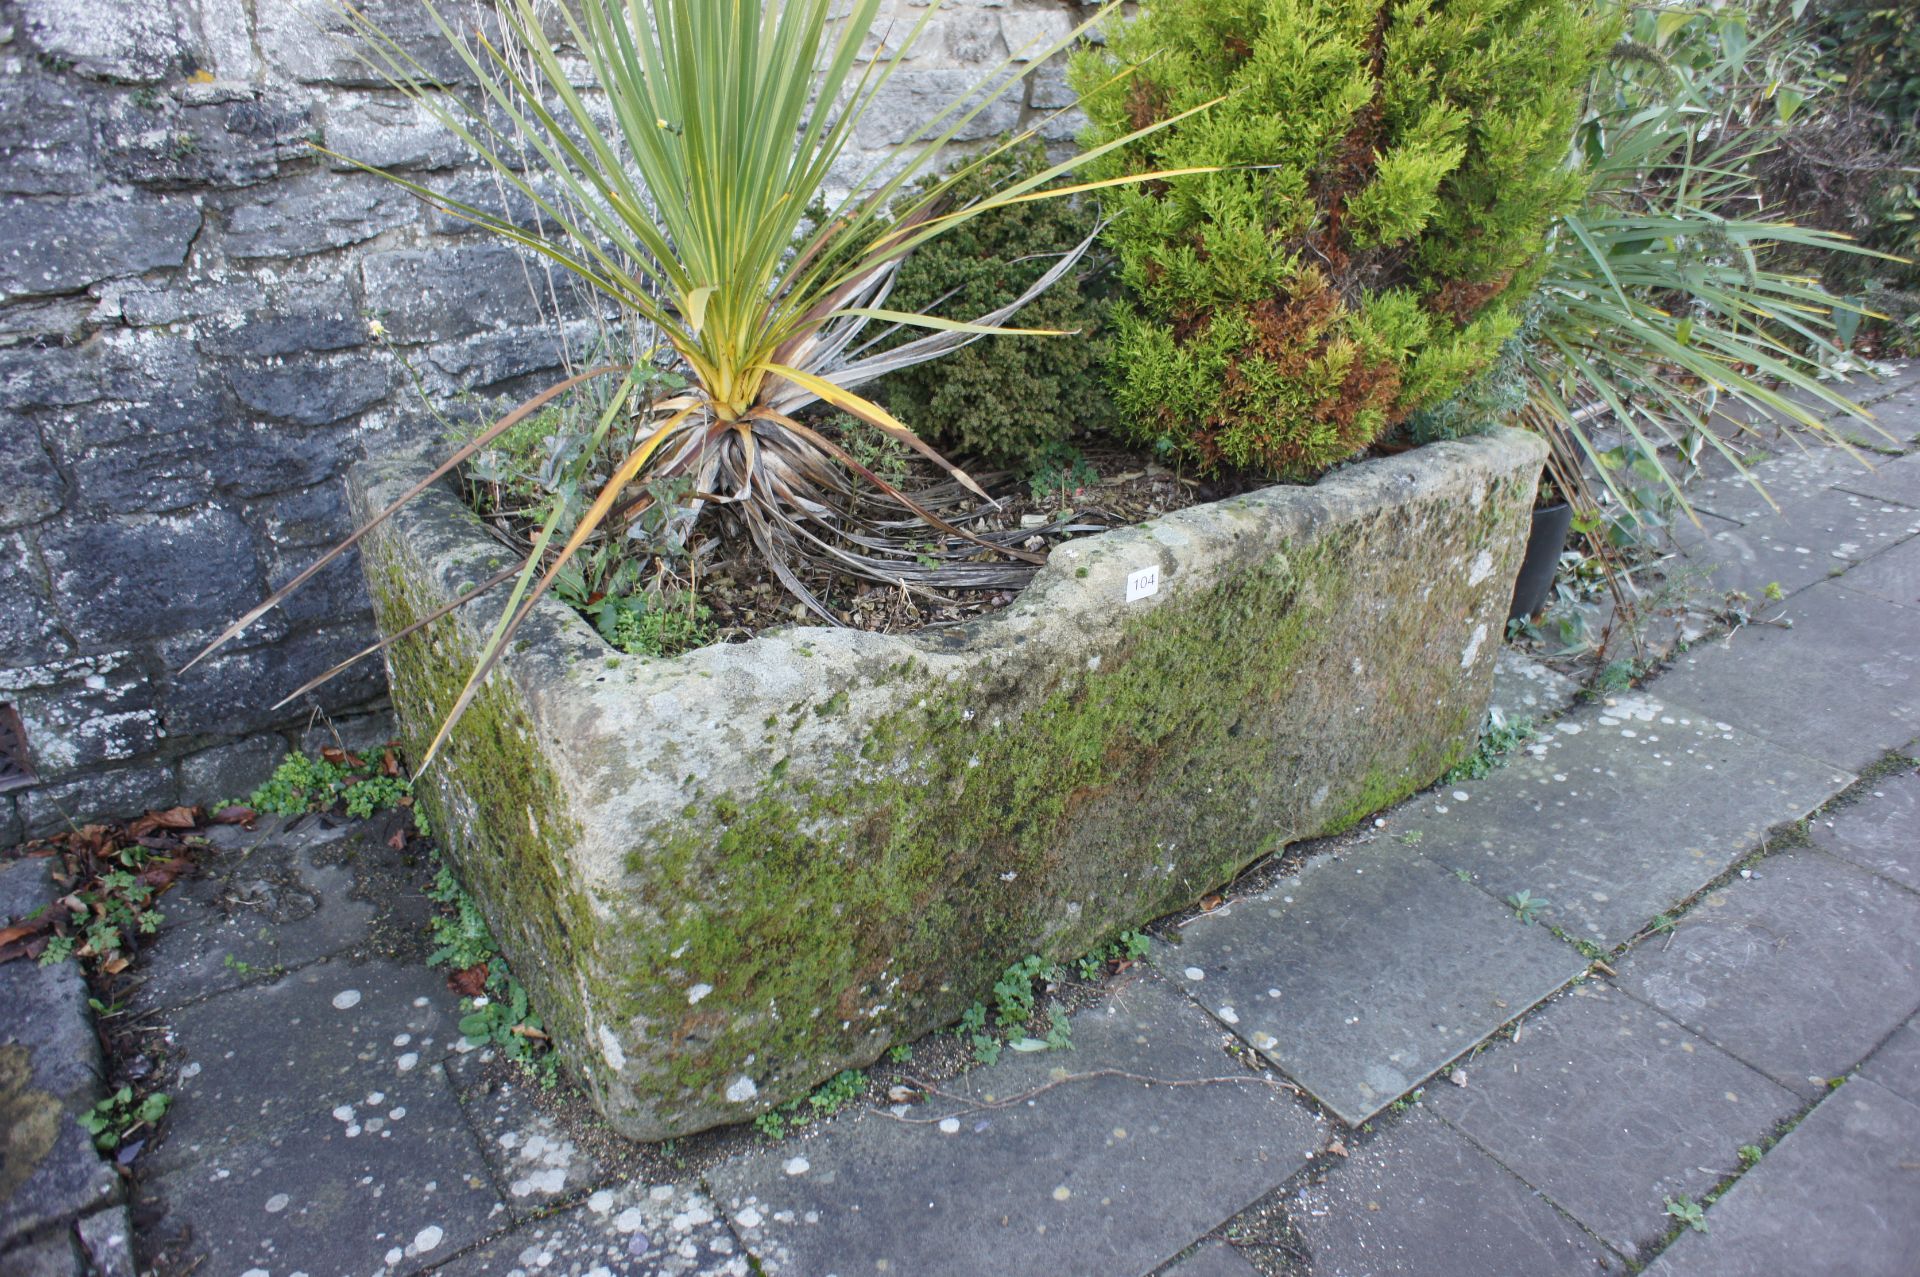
346 999
277 1203
697 992
949 1126
797 1166
427 1238
1194 973
1229 1015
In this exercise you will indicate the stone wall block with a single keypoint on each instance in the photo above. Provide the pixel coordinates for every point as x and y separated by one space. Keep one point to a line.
144 458
124 791
136 41
313 213
84 711
235 140
29 629
1029 33
46 138
297 320
389 132
914 96
489 360
50 246
310 391
311 42
437 294
123 579
234 692
230 771
31 488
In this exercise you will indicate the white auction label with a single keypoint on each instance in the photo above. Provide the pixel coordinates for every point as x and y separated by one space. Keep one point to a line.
1142 583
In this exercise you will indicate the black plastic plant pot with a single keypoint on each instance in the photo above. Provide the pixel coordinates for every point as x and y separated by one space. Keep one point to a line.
1548 538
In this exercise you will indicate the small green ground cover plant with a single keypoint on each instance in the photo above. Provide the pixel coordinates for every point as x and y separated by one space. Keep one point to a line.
494 1008
337 778
1388 174
114 1120
1497 740
827 1099
1688 1212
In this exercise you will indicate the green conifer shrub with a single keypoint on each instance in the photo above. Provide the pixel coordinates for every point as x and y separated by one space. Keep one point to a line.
1390 169
1010 401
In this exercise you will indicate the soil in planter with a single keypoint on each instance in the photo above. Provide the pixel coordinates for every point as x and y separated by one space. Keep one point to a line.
724 592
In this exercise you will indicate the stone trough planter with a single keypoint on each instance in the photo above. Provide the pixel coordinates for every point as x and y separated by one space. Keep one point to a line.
726 876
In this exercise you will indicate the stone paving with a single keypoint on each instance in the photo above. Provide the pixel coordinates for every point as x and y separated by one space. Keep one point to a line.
1668 956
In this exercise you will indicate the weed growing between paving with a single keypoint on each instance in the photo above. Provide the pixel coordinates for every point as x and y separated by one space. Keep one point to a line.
111 877
300 785
1497 740
494 1007
988 1027
118 1118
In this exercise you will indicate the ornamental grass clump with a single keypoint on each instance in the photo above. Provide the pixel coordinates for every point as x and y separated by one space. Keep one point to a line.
1387 173
684 187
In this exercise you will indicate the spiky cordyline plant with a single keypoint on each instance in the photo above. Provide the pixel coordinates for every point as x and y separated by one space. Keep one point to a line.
1658 303
691 201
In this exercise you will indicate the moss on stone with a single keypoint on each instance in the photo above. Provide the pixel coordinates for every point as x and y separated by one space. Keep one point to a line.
1026 803
959 833
492 797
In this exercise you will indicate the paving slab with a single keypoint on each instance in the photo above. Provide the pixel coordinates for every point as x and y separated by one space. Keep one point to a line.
530 1153
1800 971
1842 685
50 1256
1366 973
635 1230
314 1127
1423 1202
49 1076
1838 1197
1894 481
1609 1108
1793 476
1896 1063
1893 575
1106 1177
1724 557
1215 1259
1621 811
252 1062
265 901
106 1240
1880 832
1523 688
392 1182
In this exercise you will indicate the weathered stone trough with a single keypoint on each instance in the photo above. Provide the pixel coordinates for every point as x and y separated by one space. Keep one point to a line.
726 876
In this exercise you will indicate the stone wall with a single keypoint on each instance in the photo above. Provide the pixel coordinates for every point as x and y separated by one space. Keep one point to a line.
187 358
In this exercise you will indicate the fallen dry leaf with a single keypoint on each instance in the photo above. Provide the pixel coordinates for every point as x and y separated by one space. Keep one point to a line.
21 930
471 982
1209 903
